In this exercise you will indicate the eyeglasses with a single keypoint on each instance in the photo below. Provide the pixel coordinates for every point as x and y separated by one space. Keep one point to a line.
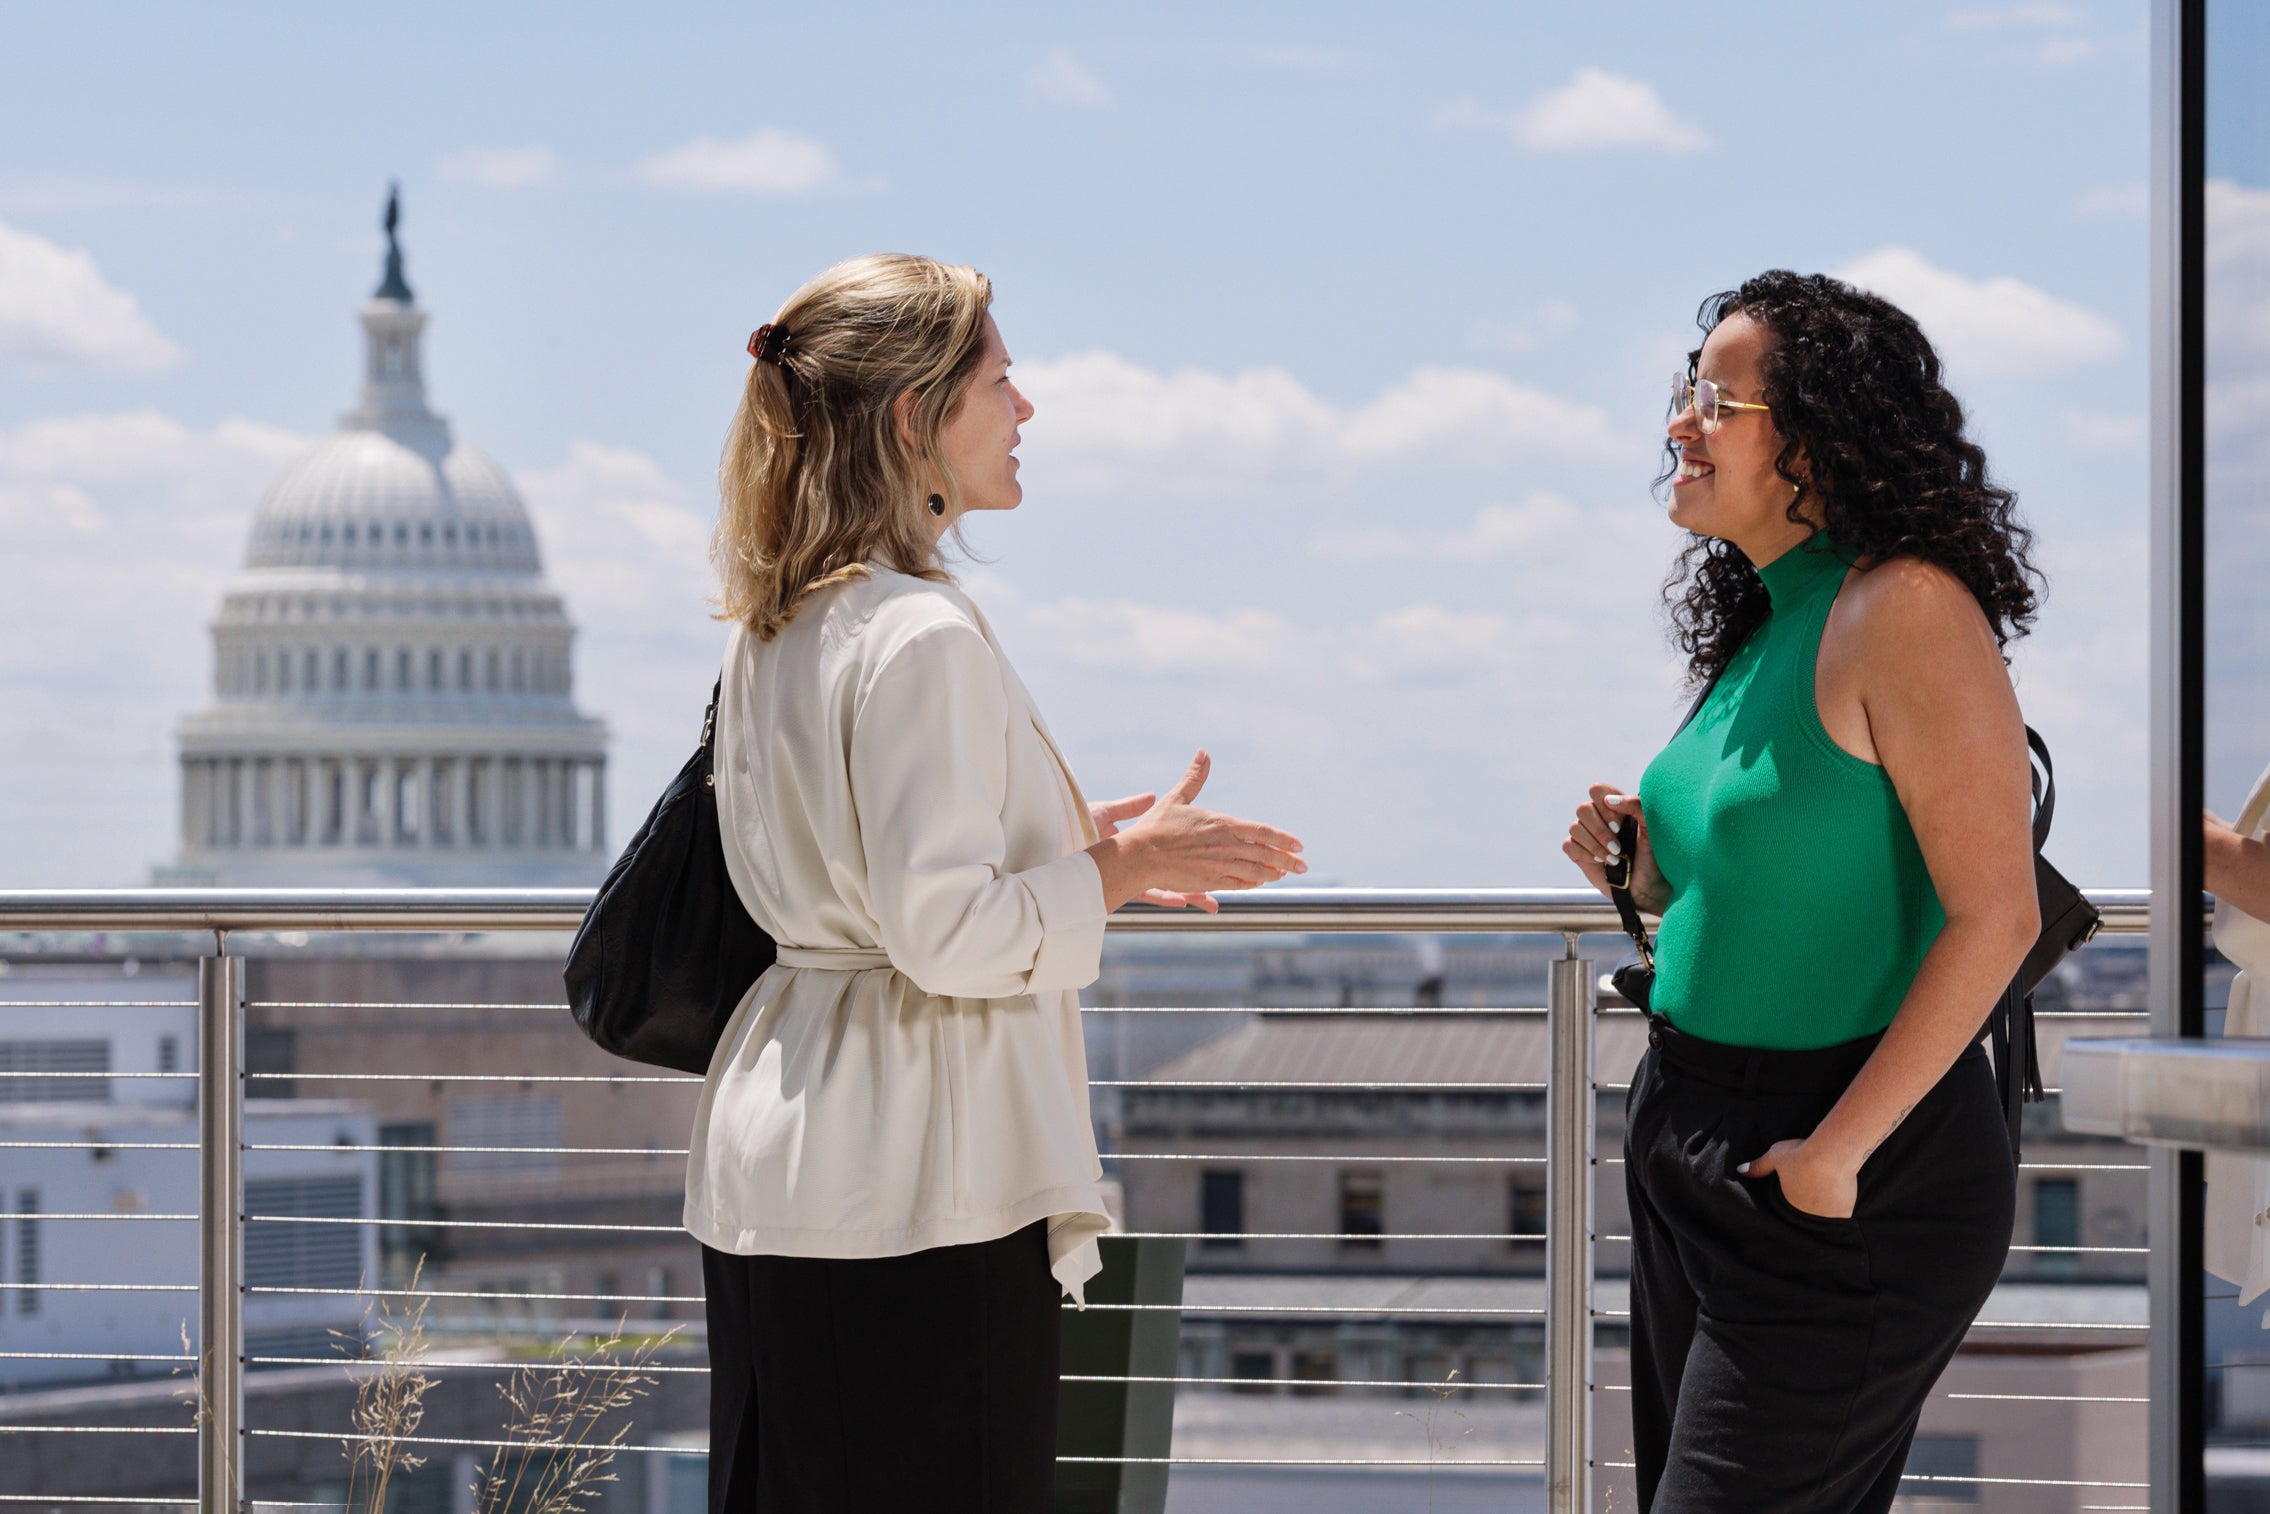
1704 396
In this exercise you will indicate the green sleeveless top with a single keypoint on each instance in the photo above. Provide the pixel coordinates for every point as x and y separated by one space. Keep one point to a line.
1800 906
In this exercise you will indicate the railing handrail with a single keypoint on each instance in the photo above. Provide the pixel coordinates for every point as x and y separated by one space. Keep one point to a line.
1508 911
222 1075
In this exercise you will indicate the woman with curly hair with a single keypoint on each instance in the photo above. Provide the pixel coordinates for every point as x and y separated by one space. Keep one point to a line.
1837 842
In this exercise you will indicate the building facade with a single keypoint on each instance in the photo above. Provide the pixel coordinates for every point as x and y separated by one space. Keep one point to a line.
393 678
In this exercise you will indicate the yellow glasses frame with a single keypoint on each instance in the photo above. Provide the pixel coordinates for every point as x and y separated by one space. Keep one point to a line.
1706 401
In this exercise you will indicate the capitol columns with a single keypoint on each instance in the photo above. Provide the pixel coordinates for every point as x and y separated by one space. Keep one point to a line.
599 804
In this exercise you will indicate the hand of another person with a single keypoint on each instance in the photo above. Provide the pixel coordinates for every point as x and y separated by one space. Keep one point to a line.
1592 844
1177 854
1813 1185
1107 816
2235 868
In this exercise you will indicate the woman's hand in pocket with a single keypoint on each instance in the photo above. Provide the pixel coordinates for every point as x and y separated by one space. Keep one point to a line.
1593 843
1812 1184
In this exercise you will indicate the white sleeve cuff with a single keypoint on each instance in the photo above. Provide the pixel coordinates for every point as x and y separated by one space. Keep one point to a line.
1068 893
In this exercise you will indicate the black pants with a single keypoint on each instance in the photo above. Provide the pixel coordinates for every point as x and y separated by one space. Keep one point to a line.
1780 1359
920 1384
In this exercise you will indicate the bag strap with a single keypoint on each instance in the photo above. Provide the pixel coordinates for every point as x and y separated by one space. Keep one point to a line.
1620 890
2017 1052
1627 840
2045 788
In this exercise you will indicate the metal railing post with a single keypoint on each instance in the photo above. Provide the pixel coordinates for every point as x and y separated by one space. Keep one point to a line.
220 1160
1568 1239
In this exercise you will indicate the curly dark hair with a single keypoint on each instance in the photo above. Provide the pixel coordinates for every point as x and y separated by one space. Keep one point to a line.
1856 393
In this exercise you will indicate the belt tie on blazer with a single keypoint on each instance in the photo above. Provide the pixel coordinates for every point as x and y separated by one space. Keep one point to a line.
834 959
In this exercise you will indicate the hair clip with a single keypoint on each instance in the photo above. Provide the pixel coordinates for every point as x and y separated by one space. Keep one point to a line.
769 343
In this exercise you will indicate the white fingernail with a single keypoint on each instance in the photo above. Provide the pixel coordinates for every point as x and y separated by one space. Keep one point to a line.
1615 848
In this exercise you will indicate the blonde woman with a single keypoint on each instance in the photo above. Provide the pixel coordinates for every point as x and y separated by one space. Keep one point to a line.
893 1175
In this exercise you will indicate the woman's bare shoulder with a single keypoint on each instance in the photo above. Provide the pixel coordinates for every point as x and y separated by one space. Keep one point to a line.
1902 600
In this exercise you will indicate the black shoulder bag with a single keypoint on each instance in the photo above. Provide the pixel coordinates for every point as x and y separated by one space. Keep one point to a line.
2068 920
667 951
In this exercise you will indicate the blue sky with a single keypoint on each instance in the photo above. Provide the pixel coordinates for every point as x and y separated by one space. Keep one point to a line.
1348 330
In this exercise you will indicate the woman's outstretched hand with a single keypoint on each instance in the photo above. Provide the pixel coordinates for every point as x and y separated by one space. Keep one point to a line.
1592 845
1170 852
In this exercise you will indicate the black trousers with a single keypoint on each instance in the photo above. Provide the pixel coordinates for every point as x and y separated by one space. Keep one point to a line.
919 1384
1780 1359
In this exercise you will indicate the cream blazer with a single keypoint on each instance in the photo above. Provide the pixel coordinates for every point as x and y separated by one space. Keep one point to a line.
910 1073
2238 1188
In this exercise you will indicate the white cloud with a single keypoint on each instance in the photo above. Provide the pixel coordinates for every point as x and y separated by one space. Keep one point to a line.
1059 77
2098 431
122 529
1104 422
620 539
1132 637
1986 326
57 309
1595 109
502 167
148 449
767 162
2113 200
1497 531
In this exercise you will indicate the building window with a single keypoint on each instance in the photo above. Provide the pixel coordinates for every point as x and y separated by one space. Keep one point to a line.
465 670
1938 1464
406 1192
75 1057
2057 1222
402 667
370 670
433 668
1221 1208
493 664
27 1250
1526 1211
169 1054
283 1255
1316 1368
514 1123
1257 1367
1362 1209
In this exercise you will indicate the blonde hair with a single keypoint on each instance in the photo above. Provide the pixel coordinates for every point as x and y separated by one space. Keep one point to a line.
817 478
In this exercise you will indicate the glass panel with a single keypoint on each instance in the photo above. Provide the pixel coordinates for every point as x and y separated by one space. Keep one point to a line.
2236 717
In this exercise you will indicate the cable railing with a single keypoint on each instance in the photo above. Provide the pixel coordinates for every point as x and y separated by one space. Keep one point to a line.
1564 1310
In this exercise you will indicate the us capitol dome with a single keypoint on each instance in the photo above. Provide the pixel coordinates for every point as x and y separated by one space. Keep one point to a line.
393 679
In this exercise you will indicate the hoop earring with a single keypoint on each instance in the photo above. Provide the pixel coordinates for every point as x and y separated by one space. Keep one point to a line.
937 504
